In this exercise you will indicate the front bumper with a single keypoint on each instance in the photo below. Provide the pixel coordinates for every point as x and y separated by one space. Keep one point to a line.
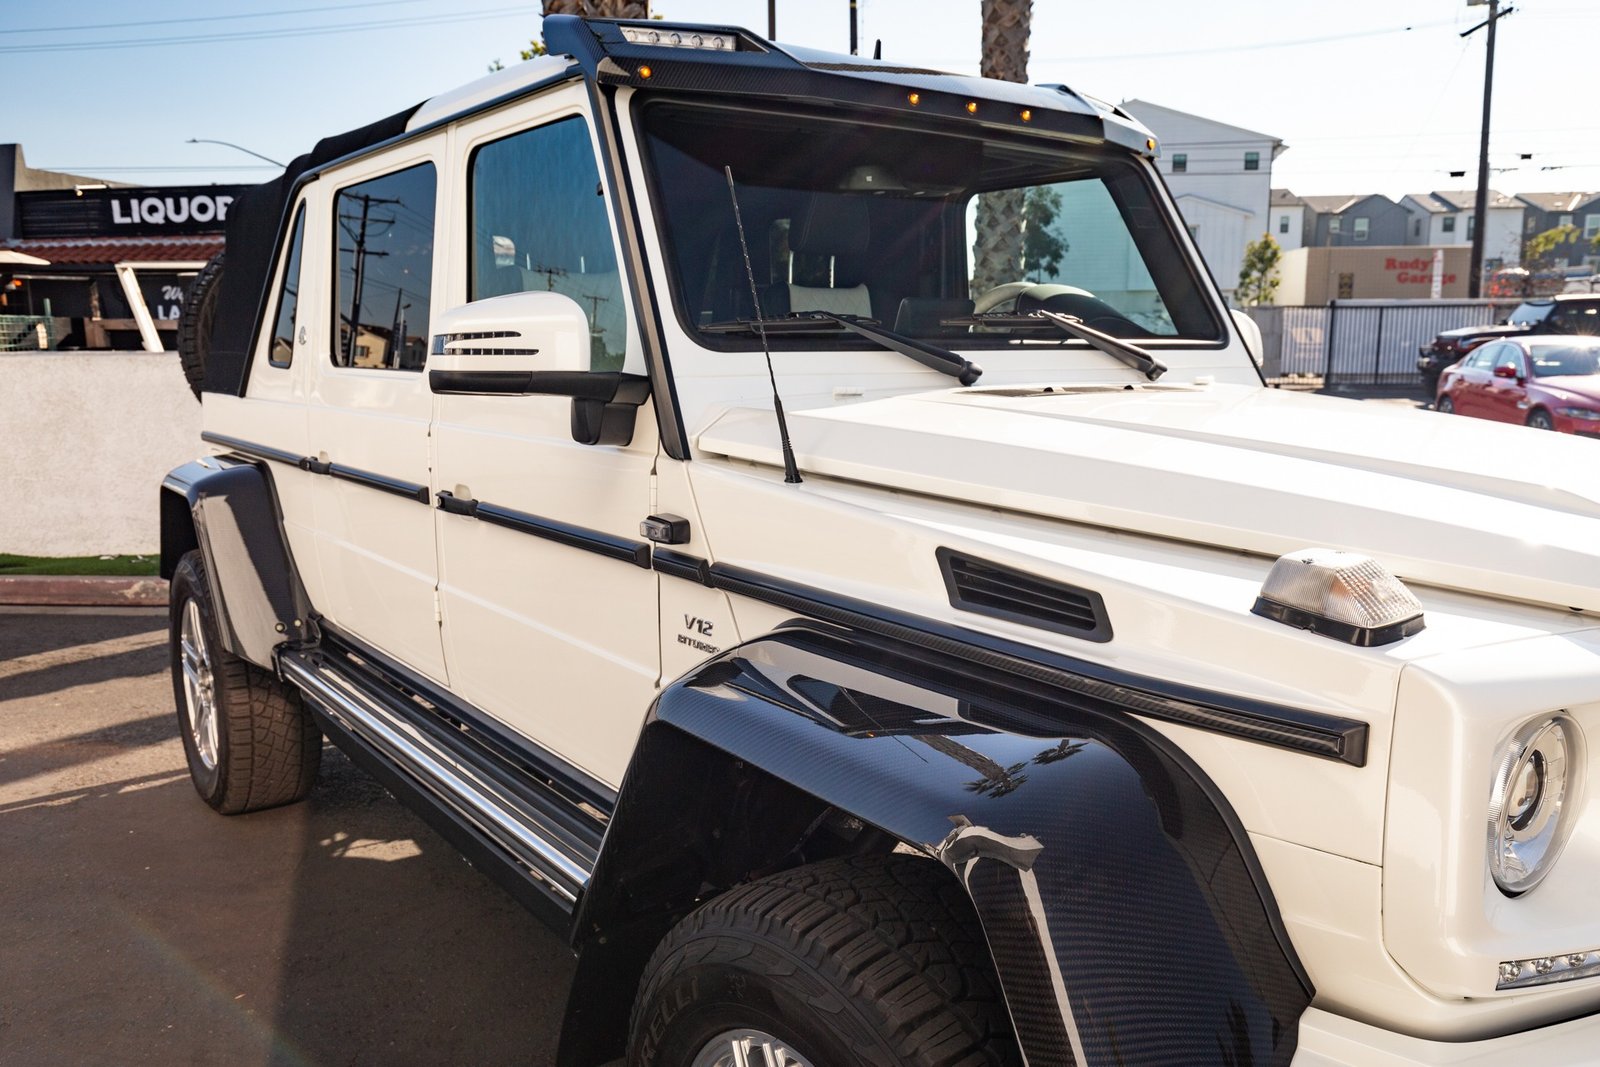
1328 1040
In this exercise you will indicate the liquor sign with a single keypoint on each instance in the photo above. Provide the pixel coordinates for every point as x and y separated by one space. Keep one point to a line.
172 210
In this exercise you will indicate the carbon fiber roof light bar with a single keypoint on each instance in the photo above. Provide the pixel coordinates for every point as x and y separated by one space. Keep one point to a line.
615 53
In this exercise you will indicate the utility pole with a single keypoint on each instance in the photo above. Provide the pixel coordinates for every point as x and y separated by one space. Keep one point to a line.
772 20
1480 210
361 252
852 27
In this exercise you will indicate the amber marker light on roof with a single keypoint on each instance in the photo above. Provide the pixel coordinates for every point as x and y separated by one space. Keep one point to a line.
644 71
972 107
914 99
1027 115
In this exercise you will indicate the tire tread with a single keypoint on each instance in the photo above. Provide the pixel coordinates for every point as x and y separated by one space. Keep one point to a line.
896 935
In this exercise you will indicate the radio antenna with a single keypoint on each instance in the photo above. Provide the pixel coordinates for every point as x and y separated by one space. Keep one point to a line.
791 470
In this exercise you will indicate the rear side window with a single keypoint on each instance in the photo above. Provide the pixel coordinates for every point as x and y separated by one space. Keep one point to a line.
383 258
281 352
538 222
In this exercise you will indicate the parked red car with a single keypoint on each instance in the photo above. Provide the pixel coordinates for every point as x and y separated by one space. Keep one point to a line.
1547 382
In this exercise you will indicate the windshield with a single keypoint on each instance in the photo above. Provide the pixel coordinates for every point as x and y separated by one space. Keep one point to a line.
1550 361
1530 314
912 228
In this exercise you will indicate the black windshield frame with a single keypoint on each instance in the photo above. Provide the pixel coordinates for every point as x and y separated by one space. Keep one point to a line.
1162 246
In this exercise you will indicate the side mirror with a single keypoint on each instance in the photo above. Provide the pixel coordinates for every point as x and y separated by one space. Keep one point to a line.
523 344
1250 334
1506 371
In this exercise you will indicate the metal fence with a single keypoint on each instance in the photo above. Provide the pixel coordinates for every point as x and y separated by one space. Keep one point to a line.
26 333
1370 342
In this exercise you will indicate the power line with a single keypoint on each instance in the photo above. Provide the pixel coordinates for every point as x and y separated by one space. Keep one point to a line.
210 18
266 35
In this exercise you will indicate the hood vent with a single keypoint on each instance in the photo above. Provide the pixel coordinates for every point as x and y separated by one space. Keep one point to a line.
1002 592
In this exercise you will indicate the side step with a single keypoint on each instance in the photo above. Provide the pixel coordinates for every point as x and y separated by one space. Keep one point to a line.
476 792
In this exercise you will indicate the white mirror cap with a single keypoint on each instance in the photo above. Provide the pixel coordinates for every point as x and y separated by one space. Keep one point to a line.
1250 334
517 331
1343 595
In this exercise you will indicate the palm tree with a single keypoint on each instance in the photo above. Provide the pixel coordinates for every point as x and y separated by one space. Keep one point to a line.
997 251
599 9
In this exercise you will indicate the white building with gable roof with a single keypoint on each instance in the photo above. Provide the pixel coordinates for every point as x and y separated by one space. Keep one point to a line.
1221 177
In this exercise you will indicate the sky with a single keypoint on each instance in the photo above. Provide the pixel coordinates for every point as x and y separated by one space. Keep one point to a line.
1368 95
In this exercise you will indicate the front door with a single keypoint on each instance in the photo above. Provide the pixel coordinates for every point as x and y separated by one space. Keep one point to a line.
545 627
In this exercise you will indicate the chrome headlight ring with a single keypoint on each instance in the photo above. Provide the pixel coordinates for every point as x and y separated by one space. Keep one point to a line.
1535 783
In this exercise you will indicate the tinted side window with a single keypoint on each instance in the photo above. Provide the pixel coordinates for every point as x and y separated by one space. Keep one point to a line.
539 223
384 262
1479 360
281 351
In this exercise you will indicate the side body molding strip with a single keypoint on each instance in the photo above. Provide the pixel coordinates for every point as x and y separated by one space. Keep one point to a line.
1129 918
381 482
1098 686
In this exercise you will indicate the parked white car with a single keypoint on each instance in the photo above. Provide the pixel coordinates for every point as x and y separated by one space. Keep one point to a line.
1042 689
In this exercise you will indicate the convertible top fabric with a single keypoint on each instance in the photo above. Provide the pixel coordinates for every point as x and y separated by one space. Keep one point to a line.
255 225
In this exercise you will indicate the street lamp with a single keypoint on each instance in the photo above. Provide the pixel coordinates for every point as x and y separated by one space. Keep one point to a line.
230 144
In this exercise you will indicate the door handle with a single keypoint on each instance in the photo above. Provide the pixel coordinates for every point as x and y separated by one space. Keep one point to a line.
455 505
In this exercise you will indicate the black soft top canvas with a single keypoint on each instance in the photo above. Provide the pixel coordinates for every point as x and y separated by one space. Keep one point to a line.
255 226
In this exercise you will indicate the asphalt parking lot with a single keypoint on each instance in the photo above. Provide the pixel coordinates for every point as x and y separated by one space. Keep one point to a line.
138 927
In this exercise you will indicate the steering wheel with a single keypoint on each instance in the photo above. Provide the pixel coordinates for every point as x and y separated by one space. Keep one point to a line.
1067 299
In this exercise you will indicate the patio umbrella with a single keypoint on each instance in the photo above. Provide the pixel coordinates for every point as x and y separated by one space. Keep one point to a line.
10 257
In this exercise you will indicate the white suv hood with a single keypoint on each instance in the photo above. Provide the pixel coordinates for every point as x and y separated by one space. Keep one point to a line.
1444 501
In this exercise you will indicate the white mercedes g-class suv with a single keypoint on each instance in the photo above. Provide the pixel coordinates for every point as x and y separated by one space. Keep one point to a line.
1042 689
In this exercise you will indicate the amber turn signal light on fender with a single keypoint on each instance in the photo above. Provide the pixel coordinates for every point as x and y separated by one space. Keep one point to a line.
1343 595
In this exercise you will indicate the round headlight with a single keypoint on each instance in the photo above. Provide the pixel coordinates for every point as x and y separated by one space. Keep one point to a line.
1533 783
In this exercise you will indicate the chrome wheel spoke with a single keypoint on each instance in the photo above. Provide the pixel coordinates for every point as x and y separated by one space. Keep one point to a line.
199 685
748 1048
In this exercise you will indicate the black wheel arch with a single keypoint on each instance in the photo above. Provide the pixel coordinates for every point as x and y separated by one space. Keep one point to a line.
817 741
228 509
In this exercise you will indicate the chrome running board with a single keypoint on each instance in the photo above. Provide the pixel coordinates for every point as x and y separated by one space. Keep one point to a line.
444 771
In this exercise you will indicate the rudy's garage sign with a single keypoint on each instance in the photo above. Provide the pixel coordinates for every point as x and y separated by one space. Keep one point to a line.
147 212
1417 271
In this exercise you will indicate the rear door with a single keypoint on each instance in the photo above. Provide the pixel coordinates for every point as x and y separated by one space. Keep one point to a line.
369 407
550 620
1473 379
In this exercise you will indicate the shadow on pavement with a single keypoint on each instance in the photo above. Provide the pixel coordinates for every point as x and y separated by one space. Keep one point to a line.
139 927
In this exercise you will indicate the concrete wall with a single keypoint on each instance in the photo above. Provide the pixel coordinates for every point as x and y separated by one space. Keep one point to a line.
87 438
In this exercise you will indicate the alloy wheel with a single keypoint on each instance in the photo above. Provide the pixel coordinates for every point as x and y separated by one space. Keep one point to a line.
199 685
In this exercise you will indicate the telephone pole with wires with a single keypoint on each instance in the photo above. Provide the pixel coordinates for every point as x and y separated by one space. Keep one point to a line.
1480 211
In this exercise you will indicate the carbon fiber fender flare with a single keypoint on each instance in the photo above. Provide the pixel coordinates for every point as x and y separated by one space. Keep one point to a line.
229 510
1128 917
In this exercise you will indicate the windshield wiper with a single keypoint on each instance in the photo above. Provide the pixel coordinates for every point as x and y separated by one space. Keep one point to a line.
803 322
1128 352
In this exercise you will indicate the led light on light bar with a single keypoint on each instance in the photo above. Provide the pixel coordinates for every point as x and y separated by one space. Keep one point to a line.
1543 970
1343 595
711 42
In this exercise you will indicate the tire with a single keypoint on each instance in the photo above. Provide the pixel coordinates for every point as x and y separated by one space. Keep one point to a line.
259 747
872 960
1539 419
195 321
1445 406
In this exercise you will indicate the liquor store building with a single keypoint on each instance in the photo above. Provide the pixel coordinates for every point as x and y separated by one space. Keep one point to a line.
92 264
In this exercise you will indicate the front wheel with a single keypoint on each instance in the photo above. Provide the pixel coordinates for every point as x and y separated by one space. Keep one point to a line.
250 742
1446 406
872 960
1539 419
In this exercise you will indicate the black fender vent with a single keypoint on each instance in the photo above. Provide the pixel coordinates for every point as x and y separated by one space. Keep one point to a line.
985 588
